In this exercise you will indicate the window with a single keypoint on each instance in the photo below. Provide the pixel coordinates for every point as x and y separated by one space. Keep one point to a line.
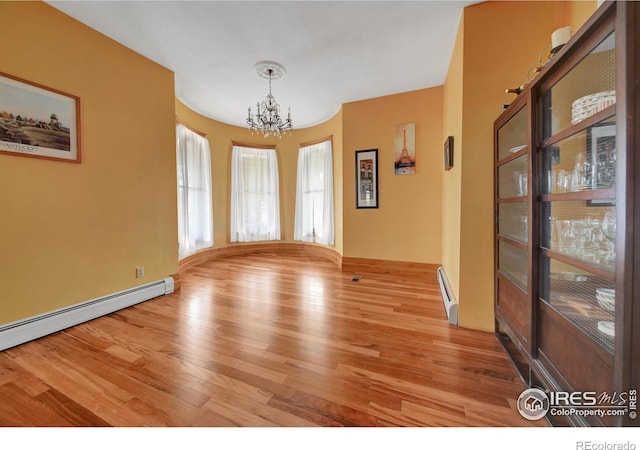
255 195
195 211
314 194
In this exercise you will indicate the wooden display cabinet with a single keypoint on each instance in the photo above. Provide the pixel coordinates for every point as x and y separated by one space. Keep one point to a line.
566 207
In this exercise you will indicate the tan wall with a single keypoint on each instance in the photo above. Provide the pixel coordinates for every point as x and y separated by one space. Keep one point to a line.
426 242
73 232
494 58
221 137
407 226
451 179
579 12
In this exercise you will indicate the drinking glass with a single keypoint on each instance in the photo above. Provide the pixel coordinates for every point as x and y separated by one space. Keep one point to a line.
609 231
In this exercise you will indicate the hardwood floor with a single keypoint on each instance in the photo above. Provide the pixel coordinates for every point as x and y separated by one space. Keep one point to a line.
267 340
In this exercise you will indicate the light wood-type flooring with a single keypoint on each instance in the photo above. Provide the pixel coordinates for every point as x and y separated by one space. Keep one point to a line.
267 340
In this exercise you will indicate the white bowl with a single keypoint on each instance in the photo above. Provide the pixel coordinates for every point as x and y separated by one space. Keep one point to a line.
606 298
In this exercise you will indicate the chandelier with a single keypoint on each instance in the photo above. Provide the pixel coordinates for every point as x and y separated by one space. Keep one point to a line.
267 118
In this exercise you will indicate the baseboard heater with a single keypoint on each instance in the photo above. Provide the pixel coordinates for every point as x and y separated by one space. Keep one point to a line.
26 330
450 303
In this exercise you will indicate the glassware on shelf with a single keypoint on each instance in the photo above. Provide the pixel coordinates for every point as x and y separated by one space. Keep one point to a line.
588 241
521 179
584 238
581 176
512 177
609 232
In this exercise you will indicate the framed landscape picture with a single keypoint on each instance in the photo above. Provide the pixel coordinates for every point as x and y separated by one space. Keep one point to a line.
367 178
37 121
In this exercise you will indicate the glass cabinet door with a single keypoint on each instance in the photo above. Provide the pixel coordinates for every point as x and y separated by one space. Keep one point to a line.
512 136
512 208
583 92
577 205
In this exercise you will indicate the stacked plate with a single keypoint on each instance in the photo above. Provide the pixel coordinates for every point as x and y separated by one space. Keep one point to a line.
590 104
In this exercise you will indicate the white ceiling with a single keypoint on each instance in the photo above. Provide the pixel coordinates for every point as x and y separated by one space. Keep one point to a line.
334 52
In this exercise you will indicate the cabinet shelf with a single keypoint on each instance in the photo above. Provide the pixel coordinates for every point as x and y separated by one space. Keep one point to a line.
516 243
513 200
512 156
598 117
600 271
593 194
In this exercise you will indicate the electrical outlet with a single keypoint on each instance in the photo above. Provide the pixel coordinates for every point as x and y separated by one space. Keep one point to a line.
139 272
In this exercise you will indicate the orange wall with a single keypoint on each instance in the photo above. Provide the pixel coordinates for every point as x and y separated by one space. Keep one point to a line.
73 232
579 12
220 138
493 60
418 217
407 226
452 179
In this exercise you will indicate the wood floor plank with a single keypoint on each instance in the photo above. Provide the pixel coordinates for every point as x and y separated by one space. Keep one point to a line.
18 408
71 411
268 340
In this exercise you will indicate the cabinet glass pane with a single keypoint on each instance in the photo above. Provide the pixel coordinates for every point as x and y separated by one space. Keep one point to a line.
513 221
512 263
578 230
513 178
580 297
513 135
585 90
583 161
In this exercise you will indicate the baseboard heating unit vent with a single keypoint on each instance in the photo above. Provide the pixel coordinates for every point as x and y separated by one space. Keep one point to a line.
26 330
450 304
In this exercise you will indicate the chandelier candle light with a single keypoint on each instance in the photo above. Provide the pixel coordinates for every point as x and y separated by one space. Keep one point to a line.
267 118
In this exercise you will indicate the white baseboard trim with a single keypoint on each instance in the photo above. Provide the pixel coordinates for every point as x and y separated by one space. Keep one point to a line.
26 330
450 303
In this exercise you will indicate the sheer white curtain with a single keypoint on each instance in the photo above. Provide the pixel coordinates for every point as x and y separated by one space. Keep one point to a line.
255 195
195 210
314 195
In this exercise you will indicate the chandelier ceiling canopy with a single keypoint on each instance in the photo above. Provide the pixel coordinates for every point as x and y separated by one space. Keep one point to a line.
267 118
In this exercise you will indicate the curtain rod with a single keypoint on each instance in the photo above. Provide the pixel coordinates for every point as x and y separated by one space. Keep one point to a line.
317 141
243 144
204 135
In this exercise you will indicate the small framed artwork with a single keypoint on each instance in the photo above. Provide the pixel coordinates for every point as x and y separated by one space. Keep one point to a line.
37 121
601 157
448 153
405 149
367 178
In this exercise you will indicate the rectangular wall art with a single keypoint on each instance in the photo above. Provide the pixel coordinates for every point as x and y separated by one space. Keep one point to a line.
37 121
405 149
367 178
448 153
